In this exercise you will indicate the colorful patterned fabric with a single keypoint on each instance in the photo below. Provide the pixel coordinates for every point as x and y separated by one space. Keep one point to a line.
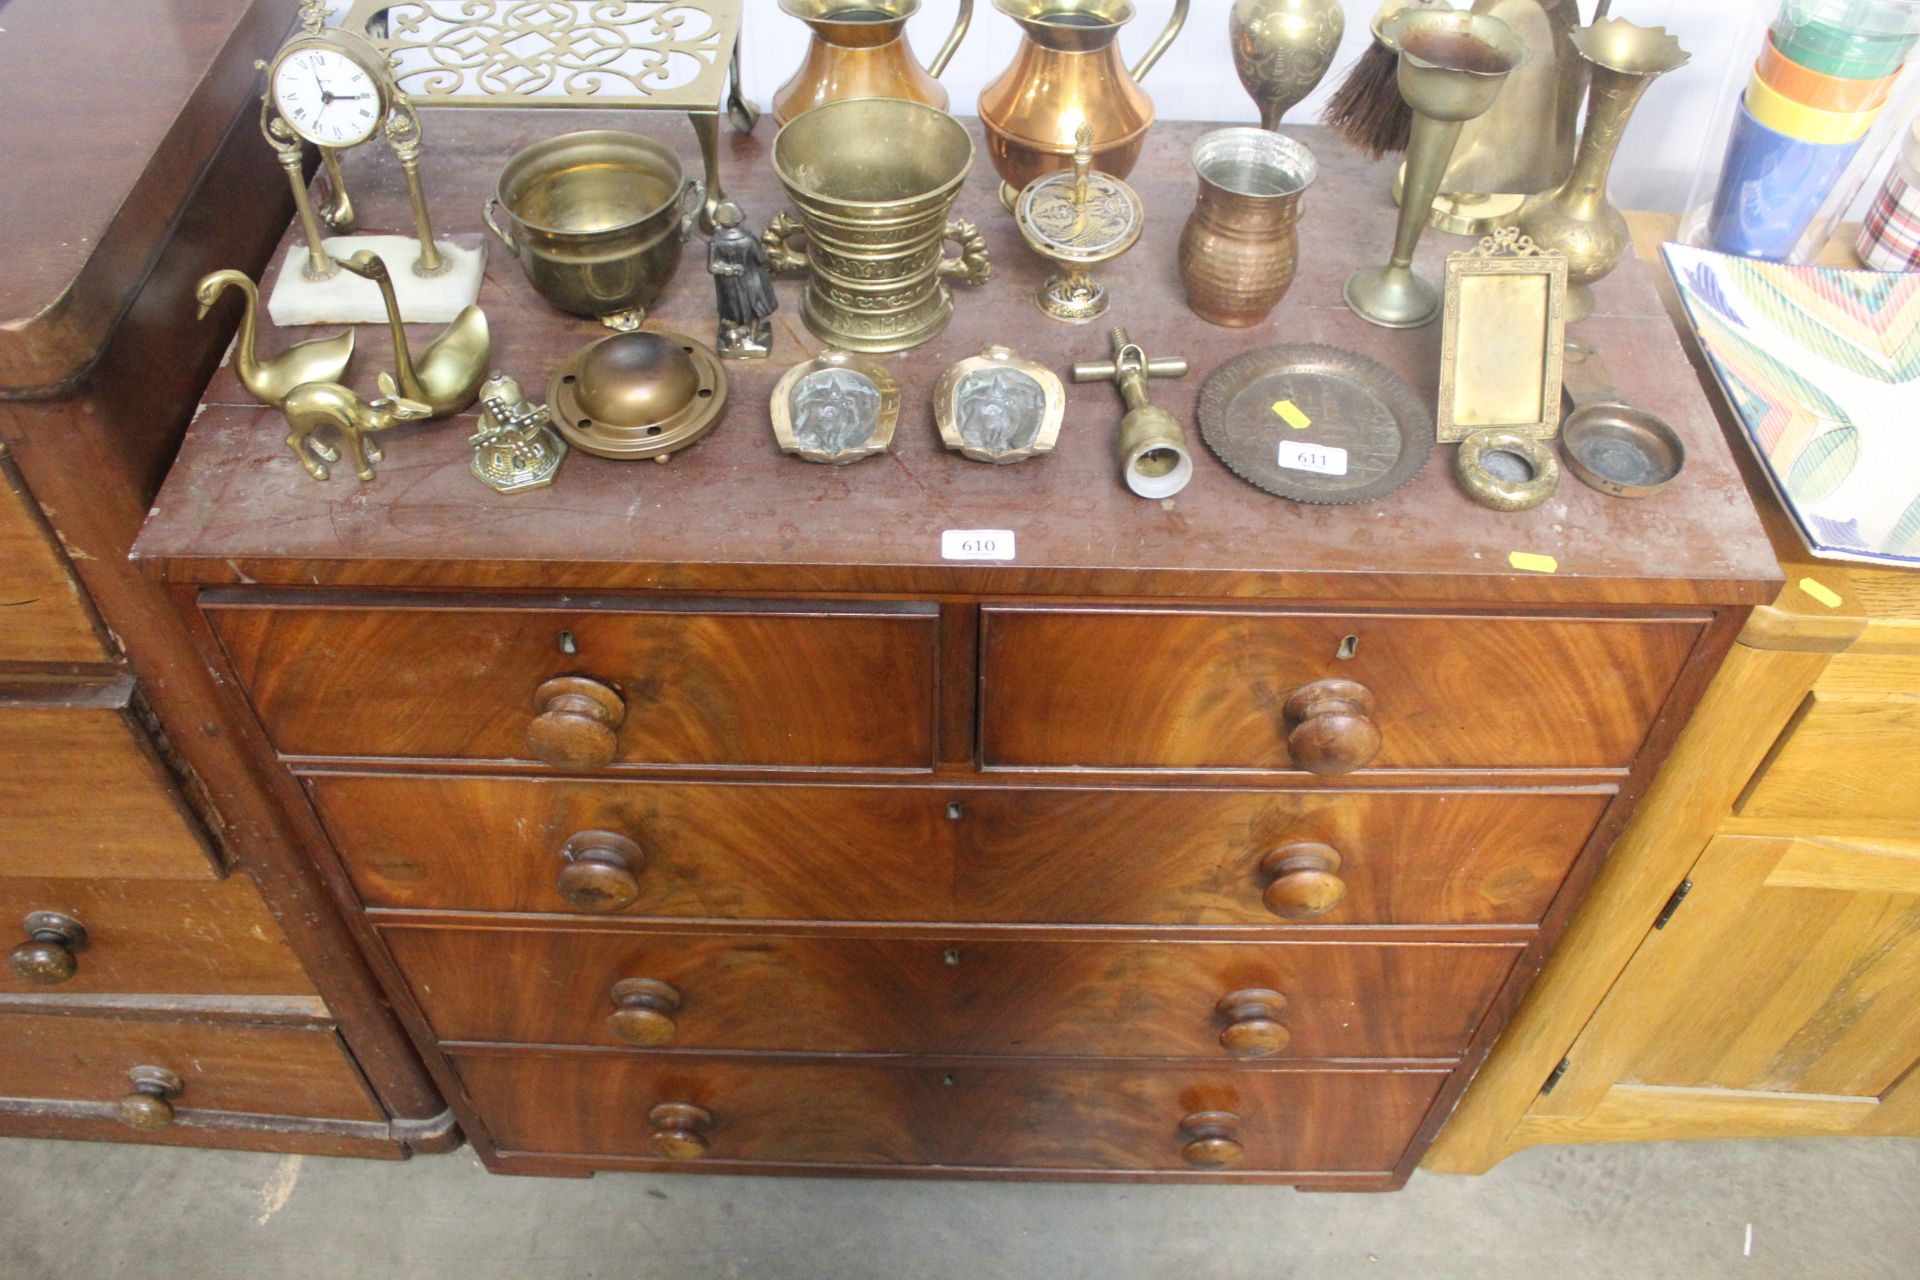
1890 237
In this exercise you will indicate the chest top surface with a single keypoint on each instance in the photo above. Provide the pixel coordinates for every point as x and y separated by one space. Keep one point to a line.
732 513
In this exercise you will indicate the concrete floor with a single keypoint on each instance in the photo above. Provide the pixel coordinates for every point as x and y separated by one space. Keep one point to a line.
1828 1209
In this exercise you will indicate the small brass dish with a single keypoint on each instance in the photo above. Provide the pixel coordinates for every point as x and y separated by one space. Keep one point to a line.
836 408
1622 451
646 394
1506 470
999 408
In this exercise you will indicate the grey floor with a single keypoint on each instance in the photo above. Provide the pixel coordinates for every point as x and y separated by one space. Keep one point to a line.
1828 1209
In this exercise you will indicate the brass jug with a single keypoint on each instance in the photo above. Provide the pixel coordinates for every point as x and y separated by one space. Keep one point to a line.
1066 73
859 50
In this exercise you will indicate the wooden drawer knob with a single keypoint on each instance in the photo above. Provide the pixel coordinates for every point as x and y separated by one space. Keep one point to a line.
1330 726
679 1130
642 1012
1301 880
1253 1028
601 872
46 957
1211 1139
575 722
150 1105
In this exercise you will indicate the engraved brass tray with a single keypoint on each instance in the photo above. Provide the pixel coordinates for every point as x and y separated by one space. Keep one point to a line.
1360 428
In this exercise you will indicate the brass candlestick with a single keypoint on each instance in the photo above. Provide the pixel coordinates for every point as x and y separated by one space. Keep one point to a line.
1077 221
1451 68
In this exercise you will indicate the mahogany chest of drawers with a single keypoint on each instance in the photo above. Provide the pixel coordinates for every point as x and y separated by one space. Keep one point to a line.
702 816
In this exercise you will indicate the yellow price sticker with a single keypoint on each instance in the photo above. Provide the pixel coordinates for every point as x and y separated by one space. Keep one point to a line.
1290 413
1820 591
1532 562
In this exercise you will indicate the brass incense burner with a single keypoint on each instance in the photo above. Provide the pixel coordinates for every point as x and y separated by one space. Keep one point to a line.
1077 221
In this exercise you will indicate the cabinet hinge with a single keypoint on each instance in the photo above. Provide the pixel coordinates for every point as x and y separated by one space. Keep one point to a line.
1673 904
1554 1079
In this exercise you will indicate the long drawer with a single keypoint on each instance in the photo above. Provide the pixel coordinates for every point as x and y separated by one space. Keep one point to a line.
928 996
1013 855
156 936
988 1117
1210 689
828 686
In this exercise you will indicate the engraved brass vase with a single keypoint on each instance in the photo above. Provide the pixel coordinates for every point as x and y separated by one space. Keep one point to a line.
1282 49
873 181
1066 73
1240 247
1576 217
859 49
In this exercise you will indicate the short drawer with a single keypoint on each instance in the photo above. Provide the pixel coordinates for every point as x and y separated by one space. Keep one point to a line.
262 1070
824 686
145 937
919 995
958 1117
46 616
1216 689
926 853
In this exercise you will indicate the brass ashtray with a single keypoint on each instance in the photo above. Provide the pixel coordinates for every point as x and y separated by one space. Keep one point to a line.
1507 469
646 394
999 408
835 408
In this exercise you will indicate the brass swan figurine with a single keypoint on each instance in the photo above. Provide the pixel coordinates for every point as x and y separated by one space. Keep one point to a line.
271 381
448 374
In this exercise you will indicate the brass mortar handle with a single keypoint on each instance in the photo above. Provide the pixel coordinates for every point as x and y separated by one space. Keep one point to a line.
486 212
972 266
1161 41
962 19
778 240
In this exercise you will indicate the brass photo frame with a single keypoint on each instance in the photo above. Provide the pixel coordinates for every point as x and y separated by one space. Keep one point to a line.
1503 339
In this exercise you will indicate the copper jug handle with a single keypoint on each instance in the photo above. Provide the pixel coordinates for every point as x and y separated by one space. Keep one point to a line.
778 240
962 19
1161 41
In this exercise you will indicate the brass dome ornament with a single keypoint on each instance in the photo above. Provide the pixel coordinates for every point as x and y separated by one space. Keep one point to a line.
644 394
835 409
999 408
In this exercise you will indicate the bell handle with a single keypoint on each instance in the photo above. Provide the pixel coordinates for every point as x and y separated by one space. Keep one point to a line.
1161 41
962 19
778 240
487 212
972 266
693 198
1585 377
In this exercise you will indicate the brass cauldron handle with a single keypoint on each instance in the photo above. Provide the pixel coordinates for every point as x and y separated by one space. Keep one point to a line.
972 266
693 199
487 211
1161 41
778 239
961 20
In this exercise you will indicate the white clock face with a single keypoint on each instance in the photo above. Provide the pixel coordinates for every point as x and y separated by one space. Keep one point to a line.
327 97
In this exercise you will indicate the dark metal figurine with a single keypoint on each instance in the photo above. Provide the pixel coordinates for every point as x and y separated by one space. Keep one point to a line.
743 285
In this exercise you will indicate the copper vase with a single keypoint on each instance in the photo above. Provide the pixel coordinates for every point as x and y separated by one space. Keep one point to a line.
859 49
1240 248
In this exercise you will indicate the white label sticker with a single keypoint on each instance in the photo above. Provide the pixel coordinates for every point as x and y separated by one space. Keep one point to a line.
1322 459
976 544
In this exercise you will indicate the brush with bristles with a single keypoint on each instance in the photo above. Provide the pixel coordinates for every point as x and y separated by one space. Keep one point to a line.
1367 109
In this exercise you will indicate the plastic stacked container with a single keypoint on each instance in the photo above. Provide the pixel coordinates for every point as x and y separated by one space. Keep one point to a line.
1823 78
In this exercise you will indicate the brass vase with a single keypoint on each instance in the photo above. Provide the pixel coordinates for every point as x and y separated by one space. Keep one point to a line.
859 49
1576 217
1282 49
1451 68
1066 73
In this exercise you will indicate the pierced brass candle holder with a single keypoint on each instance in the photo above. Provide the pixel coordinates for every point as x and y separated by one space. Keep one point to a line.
1077 221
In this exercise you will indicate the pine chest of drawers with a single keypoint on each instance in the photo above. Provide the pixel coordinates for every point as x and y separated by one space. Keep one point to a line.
702 816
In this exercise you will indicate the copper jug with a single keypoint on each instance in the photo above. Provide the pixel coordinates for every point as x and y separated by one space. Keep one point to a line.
859 50
1066 73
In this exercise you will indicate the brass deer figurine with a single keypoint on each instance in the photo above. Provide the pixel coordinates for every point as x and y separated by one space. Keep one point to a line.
328 404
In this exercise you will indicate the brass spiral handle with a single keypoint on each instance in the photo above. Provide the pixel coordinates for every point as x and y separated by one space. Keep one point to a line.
601 872
973 266
150 1105
46 957
1253 1027
574 723
1330 726
643 1011
1301 880
679 1130
778 240
1211 1139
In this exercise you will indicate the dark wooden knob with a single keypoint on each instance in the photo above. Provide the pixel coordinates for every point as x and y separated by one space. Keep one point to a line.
601 872
575 722
1211 1139
46 957
1301 880
150 1105
679 1130
1253 1028
1330 726
642 1012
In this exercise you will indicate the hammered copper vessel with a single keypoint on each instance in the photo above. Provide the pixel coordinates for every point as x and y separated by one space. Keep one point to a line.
1240 247
1282 49
859 49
